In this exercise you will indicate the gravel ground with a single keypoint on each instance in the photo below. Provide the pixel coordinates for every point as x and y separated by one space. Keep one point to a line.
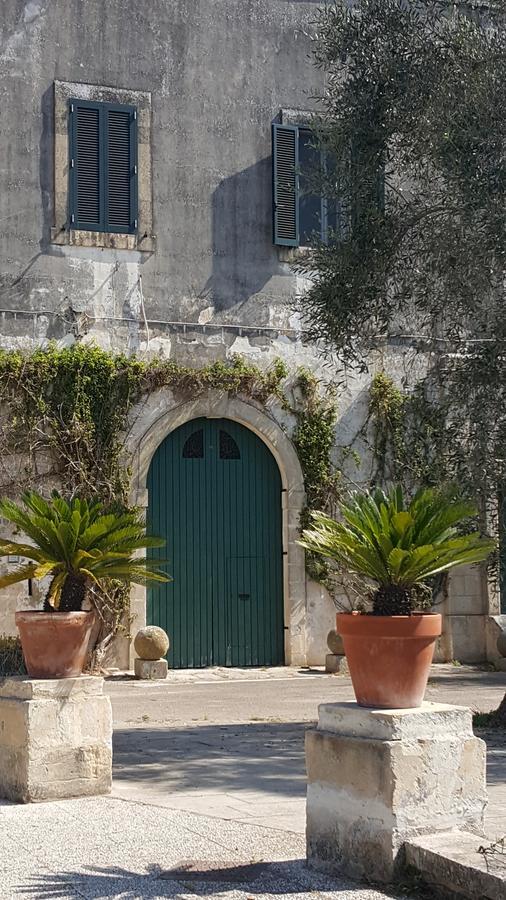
110 848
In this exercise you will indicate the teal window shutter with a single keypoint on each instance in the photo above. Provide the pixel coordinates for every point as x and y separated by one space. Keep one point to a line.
301 216
86 175
103 167
285 179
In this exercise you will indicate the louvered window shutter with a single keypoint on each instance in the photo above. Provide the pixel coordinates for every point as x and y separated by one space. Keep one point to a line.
285 160
120 128
103 167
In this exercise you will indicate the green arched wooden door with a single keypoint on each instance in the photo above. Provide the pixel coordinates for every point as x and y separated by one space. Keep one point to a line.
215 495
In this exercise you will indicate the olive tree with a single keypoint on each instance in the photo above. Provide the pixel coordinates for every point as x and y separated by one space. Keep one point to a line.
412 118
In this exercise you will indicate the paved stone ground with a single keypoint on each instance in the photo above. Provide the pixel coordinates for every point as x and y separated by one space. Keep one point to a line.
209 768
235 748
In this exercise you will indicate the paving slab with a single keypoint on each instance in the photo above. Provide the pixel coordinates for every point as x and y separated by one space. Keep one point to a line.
456 862
235 748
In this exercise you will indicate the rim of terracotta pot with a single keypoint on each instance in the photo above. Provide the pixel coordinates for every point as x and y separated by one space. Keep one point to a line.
74 614
415 625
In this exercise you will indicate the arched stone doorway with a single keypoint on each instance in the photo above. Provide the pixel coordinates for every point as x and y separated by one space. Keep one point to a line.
214 494
158 417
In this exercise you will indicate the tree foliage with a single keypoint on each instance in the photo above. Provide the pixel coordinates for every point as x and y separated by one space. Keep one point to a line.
417 92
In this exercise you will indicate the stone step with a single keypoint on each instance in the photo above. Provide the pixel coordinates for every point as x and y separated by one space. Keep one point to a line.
452 860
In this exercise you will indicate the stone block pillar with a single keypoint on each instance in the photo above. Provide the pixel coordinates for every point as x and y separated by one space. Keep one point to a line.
377 778
55 738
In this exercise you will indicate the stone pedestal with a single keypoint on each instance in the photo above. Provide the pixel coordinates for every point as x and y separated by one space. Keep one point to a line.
55 738
335 664
376 778
150 669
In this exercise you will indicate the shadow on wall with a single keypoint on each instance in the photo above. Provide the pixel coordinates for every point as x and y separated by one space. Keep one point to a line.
46 172
244 258
14 289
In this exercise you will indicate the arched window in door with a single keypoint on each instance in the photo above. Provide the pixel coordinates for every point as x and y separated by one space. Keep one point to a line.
228 447
194 445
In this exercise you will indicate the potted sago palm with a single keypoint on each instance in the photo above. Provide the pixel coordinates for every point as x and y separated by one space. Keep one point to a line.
76 544
395 547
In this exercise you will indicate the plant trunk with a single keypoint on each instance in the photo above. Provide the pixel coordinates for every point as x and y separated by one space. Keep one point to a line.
392 600
73 593
48 606
500 715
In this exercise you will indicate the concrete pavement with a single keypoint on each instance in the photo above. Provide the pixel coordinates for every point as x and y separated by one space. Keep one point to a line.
228 696
234 748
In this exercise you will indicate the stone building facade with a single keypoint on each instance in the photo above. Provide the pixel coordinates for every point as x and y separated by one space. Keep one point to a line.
196 276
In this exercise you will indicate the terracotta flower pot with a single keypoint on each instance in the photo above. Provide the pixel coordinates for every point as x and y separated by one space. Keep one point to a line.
389 657
54 644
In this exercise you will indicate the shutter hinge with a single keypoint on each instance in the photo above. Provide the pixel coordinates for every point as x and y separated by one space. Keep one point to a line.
135 170
71 107
72 218
71 163
135 223
135 113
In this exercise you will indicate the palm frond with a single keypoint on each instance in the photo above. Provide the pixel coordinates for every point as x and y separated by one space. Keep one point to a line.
20 574
392 542
77 539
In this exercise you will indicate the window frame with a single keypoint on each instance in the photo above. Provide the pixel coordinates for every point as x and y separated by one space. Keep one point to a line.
61 235
324 201
103 108
297 128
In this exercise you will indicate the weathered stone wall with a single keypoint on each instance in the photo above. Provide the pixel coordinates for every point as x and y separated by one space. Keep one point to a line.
211 283
218 73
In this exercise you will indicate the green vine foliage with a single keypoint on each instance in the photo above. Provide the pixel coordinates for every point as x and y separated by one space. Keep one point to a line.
65 413
410 435
73 405
415 440
314 439
69 406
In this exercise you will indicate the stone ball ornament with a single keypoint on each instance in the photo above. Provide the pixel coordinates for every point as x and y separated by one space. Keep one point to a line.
335 643
151 642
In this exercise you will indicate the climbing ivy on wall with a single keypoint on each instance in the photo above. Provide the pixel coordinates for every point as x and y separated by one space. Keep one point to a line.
418 438
410 434
314 440
65 413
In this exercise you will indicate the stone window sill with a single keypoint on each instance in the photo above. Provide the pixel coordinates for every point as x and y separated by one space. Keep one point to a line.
292 254
74 238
